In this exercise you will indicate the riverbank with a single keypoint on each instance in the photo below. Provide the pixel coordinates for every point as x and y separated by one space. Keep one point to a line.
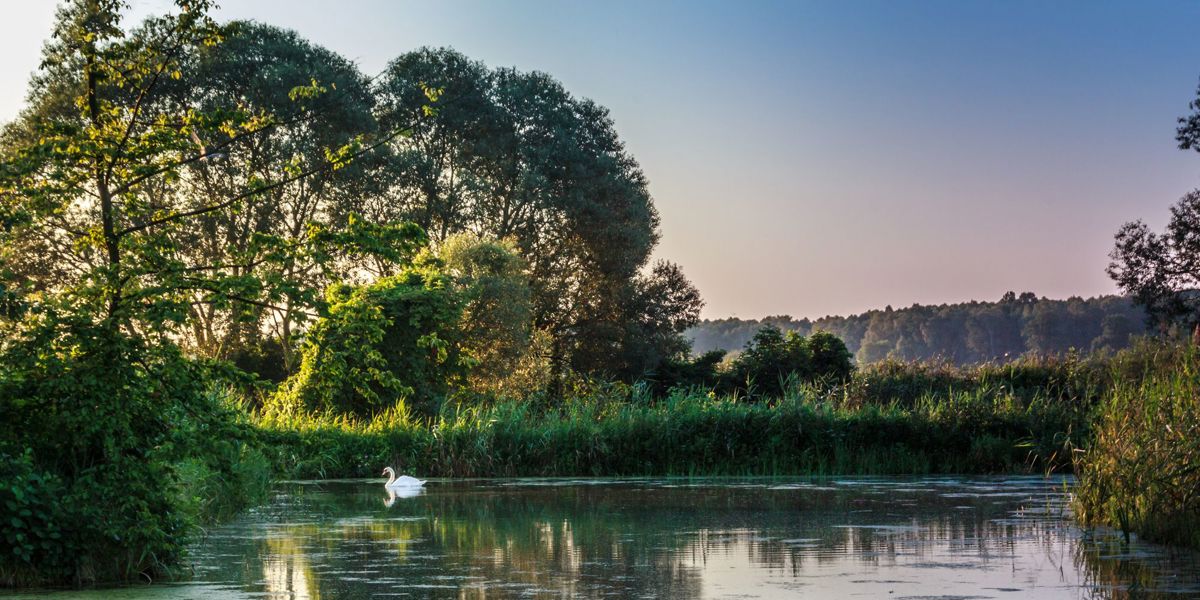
806 432
1126 424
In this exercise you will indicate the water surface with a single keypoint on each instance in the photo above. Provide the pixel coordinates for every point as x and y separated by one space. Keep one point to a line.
901 538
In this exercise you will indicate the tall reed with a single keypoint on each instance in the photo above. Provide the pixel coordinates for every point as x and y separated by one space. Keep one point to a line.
1141 472
687 433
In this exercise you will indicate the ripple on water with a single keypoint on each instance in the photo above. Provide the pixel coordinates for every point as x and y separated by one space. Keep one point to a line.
952 537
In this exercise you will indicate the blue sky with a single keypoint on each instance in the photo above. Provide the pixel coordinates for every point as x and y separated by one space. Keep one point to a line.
816 158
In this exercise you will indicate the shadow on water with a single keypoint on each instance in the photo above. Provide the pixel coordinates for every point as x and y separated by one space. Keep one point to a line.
661 538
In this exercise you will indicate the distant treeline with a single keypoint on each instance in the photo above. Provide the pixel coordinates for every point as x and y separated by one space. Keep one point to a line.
964 333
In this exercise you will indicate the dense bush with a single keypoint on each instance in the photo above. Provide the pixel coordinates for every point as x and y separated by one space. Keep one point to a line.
1067 379
772 357
770 362
33 523
394 339
95 424
687 373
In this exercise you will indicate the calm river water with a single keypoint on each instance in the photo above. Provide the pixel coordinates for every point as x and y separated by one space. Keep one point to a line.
896 538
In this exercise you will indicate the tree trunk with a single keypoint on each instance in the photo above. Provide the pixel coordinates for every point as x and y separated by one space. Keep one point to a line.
112 242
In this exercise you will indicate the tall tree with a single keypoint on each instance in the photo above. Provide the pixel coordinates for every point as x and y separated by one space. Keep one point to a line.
144 189
1162 271
256 68
92 389
514 155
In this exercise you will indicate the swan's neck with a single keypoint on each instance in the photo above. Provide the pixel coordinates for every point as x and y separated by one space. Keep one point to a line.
391 477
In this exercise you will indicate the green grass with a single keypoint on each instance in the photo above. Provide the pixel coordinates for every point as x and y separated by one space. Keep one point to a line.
685 434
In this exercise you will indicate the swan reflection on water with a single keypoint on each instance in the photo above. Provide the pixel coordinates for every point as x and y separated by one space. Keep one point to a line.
401 492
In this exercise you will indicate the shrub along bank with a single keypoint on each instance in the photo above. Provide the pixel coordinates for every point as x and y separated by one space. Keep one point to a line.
110 454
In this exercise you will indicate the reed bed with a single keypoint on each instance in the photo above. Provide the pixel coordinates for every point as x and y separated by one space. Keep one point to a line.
1141 471
687 433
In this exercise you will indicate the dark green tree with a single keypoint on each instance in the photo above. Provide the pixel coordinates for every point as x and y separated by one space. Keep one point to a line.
769 360
513 155
1162 271
829 358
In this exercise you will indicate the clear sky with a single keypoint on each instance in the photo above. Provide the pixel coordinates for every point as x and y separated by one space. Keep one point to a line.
826 158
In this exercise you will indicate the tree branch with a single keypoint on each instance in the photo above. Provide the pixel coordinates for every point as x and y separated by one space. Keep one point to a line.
328 166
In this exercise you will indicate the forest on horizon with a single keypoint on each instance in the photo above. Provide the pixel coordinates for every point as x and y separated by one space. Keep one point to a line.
960 333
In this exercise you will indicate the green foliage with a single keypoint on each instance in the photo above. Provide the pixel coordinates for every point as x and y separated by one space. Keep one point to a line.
888 418
615 431
828 357
1070 380
78 177
32 523
772 358
1161 271
395 339
687 373
497 318
100 407
660 305
763 367
95 422
513 155
359 243
1139 472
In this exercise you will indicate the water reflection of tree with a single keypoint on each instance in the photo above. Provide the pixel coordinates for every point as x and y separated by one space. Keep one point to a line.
287 573
588 541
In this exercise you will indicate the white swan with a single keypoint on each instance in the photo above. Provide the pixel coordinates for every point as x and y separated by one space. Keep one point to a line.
403 481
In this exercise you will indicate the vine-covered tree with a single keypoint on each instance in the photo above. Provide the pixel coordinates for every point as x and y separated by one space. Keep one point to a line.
395 339
497 316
